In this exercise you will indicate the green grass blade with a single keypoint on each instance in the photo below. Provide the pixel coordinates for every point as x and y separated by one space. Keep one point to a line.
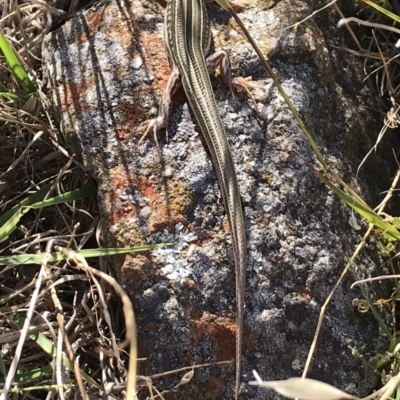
2 367
22 259
90 253
15 66
47 346
224 4
29 376
293 110
10 219
362 209
86 191
382 10
8 95
42 387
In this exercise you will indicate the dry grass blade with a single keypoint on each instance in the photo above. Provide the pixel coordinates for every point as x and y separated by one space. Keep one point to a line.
375 25
305 389
29 315
313 14
64 337
129 318
183 369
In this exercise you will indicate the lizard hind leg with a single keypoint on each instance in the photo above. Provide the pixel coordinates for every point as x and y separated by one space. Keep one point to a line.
220 59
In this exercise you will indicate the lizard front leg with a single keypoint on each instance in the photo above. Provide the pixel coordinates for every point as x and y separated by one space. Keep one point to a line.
161 121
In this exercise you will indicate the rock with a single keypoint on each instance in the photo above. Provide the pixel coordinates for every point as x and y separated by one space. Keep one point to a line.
106 70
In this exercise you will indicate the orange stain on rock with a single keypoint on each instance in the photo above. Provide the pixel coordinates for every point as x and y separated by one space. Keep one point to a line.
156 58
306 297
133 115
221 332
94 19
115 197
134 269
73 96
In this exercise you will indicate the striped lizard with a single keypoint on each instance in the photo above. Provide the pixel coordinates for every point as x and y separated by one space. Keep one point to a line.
187 35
